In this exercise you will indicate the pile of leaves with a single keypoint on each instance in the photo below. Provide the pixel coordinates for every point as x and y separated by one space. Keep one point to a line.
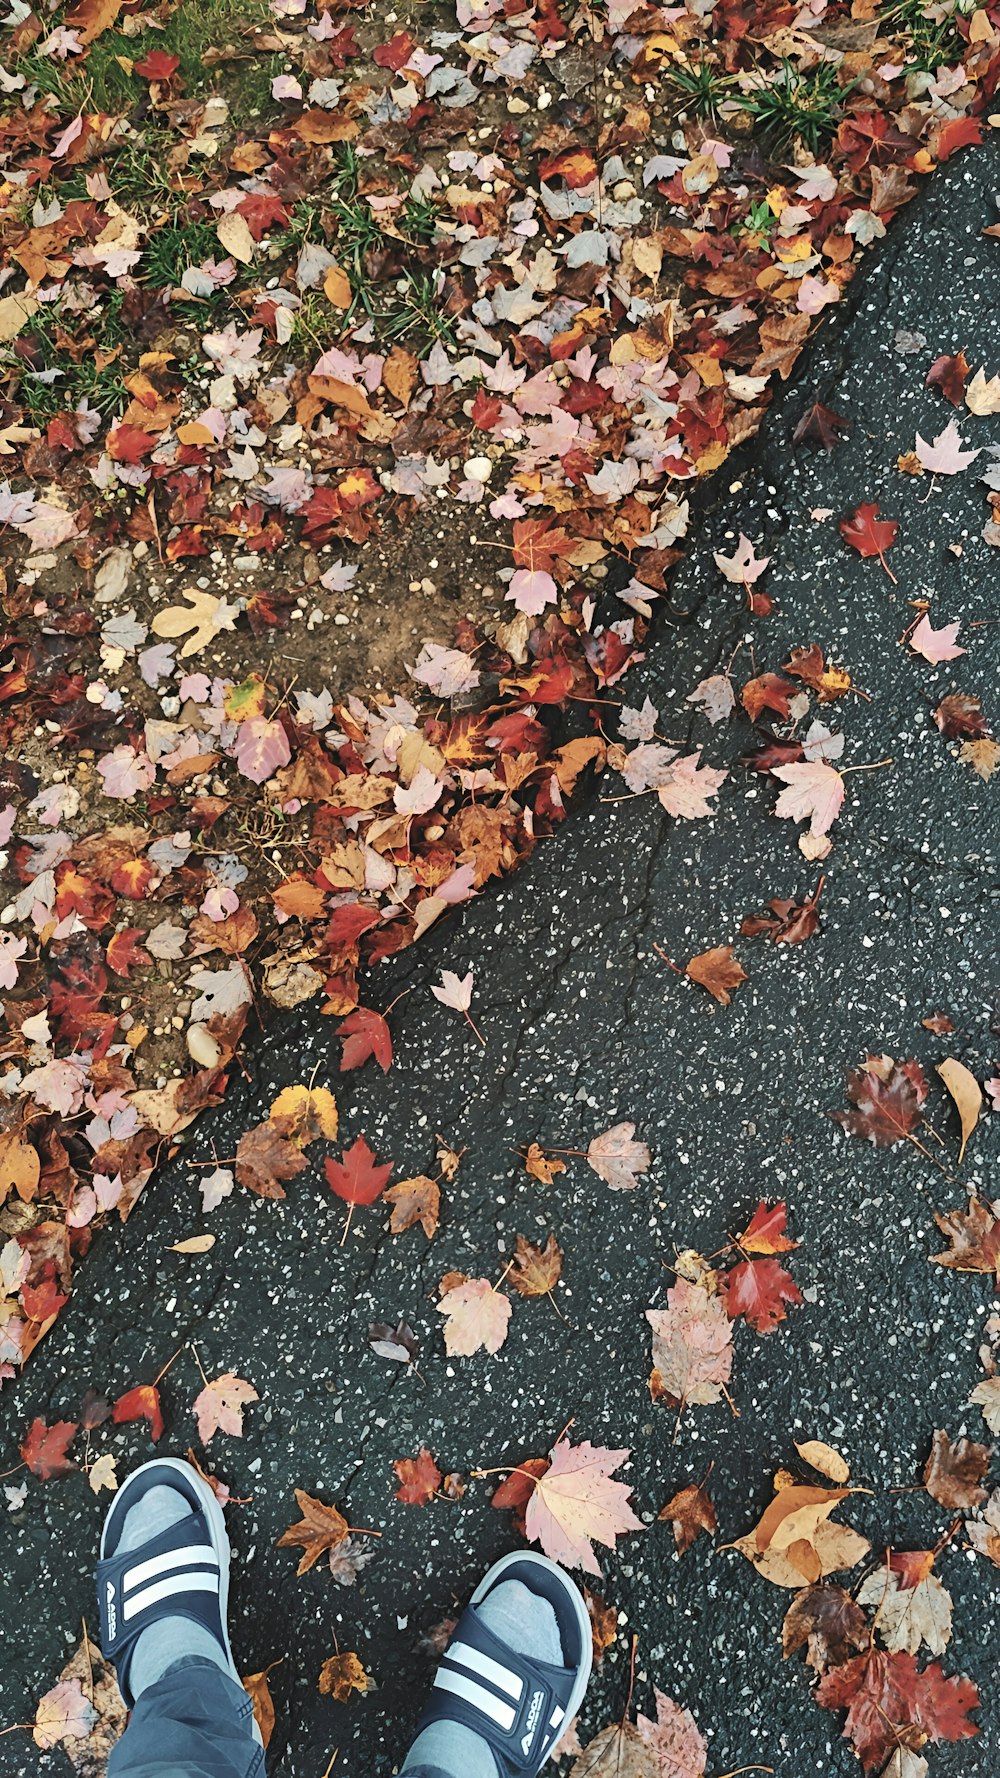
547 268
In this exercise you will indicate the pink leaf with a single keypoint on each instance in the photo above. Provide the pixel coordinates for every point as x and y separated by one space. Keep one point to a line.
261 747
936 645
531 590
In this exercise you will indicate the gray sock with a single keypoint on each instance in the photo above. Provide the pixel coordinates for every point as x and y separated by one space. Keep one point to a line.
173 1637
526 1624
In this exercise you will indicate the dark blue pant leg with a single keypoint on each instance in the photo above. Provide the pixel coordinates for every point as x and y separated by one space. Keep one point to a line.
195 1722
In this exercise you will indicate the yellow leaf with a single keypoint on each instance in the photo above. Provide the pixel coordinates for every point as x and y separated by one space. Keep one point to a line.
15 313
337 288
193 433
964 1090
300 1114
194 1244
92 17
824 1458
341 1675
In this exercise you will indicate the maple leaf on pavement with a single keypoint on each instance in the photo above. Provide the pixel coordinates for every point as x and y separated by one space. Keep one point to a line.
617 1158
686 787
743 567
414 1200
348 1560
758 1289
689 1512
814 792
827 1622
945 456
219 1407
263 1159
44 1448
887 1097
301 1114
936 645
675 1740
975 1238
476 1317
692 1345
364 1033
870 535
953 1473
765 1232
141 1403
821 426
342 1674
909 1613
885 1695
535 1271
419 1478
320 1528
718 971
577 1502
948 374
961 717
356 1178
785 922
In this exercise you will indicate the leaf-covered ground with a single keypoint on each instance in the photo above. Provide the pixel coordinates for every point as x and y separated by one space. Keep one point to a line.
315 322
627 1273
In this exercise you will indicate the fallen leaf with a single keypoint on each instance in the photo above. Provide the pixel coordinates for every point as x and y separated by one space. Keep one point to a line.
320 1528
415 1200
63 1714
419 1479
766 1230
718 971
535 1271
887 1097
204 616
44 1448
936 645
689 1512
887 1698
542 1166
759 1289
264 1159
302 1114
868 534
965 1092
193 1244
476 1318
960 716
103 1473
576 1502
141 1403
340 1675
357 1178
953 1472
258 1690
909 1615
220 1406
945 455
827 1622
692 1345
814 792
364 1033
975 1238
825 1459
617 1158
986 1395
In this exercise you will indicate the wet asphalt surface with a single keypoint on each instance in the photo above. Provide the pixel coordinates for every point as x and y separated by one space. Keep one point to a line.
586 1025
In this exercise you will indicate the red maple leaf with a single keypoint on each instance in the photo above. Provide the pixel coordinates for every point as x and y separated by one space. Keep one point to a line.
420 1479
262 212
765 1232
43 1301
396 53
958 132
343 47
887 1097
949 373
129 444
485 410
125 952
44 1449
365 1033
820 426
887 1698
356 1178
758 1289
870 535
141 1403
348 924
159 64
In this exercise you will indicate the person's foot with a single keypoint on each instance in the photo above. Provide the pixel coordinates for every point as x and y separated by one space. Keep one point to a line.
512 1677
169 1603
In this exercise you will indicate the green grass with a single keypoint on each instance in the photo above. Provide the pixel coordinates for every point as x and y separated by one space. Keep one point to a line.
192 29
756 226
796 107
929 43
102 388
701 87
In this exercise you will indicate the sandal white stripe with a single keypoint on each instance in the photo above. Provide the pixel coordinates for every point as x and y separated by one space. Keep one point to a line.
194 1554
486 1667
556 1718
502 1714
163 1589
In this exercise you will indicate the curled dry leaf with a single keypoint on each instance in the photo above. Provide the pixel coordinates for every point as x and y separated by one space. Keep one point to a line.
975 1238
542 1166
824 1459
689 1512
259 1691
302 1114
264 1159
954 1472
414 1200
826 1622
340 1675
718 971
419 1479
796 1542
535 1271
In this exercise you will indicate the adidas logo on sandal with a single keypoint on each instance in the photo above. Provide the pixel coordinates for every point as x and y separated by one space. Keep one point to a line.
110 1608
534 1711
